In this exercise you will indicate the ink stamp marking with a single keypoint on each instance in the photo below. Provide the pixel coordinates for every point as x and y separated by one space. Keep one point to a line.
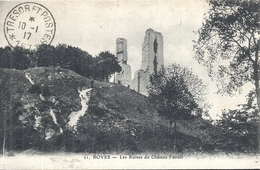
29 25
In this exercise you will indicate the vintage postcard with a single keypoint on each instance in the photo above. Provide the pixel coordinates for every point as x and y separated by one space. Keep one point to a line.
129 84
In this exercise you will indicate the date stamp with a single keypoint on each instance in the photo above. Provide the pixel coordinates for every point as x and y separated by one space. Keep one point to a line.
28 25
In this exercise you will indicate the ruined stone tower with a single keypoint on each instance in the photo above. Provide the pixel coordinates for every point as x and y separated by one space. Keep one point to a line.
124 77
152 60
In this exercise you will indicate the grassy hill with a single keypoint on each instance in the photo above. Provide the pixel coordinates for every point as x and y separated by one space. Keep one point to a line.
37 106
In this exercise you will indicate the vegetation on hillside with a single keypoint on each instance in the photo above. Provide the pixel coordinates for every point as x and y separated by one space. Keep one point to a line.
113 122
176 92
238 129
228 45
104 65
64 56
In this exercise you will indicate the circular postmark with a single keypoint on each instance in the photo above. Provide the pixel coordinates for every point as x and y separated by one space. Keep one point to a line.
28 25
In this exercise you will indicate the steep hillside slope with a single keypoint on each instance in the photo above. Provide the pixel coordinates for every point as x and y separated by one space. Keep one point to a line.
55 109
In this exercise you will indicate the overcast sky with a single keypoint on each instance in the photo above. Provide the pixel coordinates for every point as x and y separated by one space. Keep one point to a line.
94 26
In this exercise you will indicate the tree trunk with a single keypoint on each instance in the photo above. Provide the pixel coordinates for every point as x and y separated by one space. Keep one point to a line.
4 132
11 133
258 94
170 130
175 134
107 80
103 75
256 76
114 77
4 139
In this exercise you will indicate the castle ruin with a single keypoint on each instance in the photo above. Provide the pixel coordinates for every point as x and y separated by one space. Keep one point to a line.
124 77
152 60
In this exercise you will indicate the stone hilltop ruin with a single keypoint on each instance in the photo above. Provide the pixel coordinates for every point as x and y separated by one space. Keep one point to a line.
124 77
152 60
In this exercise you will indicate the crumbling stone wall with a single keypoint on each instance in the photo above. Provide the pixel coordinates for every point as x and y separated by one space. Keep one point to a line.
152 60
124 77
148 53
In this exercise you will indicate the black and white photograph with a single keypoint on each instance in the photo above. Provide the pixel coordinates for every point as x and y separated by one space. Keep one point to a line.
139 84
